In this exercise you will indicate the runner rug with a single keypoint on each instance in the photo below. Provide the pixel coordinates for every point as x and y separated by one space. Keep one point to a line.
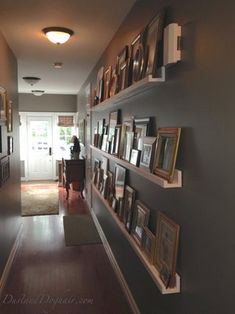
80 230
39 199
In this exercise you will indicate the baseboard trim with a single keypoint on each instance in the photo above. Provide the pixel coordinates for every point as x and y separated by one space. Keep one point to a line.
10 260
115 266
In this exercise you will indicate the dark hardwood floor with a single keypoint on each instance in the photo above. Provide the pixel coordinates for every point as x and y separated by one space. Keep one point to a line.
48 277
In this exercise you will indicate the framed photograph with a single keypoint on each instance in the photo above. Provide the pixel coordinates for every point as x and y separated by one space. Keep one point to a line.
104 164
147 153
97 164
100 84
140 220
148 244
107 79
99 181
9 145
114 203
104 186
128 124
138 57
104 143
127 146
119 181
121 58
114 118
142 128
166 153
154 44
167 248
9 116
3 103
128 206
124 75
135 157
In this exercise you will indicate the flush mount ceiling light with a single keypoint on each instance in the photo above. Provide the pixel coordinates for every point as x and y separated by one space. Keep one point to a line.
38 92
58 35
58 65
31 80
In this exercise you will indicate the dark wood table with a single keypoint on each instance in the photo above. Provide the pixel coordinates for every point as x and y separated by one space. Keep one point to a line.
73 172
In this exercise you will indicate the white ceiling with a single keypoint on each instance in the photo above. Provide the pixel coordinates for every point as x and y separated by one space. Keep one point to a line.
94 23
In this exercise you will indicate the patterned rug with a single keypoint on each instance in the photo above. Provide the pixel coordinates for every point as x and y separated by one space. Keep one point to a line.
39 199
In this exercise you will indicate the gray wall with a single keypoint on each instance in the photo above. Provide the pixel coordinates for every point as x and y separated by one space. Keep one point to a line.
47 103
10 191
198 96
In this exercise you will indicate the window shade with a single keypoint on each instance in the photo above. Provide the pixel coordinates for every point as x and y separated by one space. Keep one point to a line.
65 121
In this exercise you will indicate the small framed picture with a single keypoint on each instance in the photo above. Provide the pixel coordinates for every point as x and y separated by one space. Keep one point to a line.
110 188
128 206
154 44
135 157
138 57
100 84
140 220
119 181
104 186
114 118
114 203
9 116
113 87
166 153
147 153
3 103
127 146
97 164
121 58
104 142
128 124
118 142
124 75
142 128
9 145
167 249
107 79
104 164
148 244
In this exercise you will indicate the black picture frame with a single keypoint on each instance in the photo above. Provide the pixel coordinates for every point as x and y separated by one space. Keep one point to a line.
128 207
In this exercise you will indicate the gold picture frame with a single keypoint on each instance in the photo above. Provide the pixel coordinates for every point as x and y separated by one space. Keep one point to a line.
107 80
140 220
166 152
165 257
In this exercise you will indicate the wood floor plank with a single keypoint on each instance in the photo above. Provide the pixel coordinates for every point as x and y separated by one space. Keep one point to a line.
48 277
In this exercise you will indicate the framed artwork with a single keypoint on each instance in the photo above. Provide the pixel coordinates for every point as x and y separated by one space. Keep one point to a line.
9 145
128 206
9 116
113 88
154 44
119 181
118 143
3 104
107 79
100 84
147 153
148 244
138 57
135 157
104 143
124 75
142 128
110 188
166 153
140 220
97 164
104 164
167 248
121 58
128 144
114 118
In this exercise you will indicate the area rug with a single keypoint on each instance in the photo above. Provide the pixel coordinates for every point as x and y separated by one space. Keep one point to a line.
80 230
39 199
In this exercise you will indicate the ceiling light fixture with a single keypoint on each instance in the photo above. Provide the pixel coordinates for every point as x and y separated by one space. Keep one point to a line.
38 92
58 35
58 65
31 80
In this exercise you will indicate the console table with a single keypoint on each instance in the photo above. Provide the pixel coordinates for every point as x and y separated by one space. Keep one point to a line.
73 172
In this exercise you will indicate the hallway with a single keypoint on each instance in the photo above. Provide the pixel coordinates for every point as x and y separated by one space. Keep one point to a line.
48 277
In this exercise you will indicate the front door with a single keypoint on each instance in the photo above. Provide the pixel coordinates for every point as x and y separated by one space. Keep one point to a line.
40 165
